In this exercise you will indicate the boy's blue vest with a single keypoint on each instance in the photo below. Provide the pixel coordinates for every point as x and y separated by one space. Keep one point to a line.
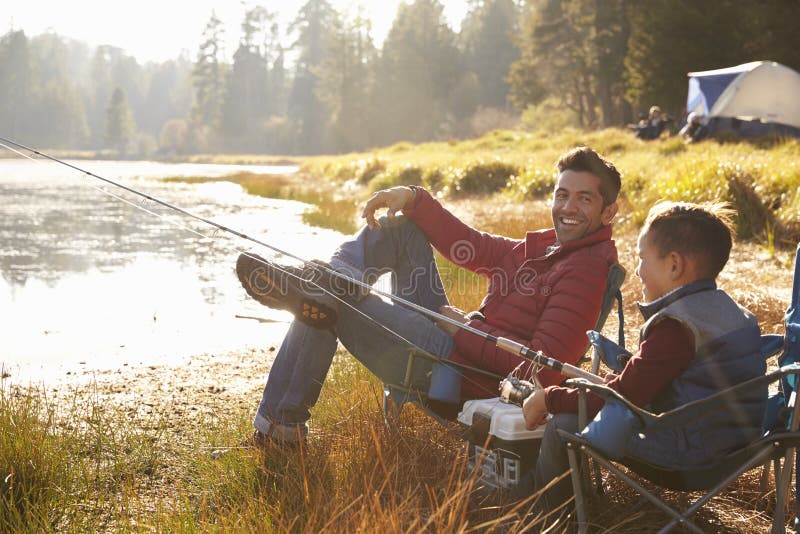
727 352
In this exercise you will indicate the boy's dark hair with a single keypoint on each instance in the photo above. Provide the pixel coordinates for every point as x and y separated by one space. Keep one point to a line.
584 159
703 231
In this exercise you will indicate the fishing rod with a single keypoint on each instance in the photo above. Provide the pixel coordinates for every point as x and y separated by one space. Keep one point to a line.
502 343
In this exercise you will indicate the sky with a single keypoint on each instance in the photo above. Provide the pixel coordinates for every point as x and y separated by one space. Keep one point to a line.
158 30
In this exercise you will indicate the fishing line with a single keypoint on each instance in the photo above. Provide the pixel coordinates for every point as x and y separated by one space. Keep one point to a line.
501 342
216 234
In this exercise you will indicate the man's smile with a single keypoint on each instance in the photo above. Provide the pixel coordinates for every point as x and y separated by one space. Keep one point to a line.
569 220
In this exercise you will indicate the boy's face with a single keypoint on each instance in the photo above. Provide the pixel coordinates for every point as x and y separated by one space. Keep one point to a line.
578 206
654 270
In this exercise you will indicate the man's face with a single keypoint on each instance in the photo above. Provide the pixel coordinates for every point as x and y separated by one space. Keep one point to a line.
578 206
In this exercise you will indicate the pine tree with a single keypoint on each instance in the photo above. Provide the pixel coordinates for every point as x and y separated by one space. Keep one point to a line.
344 80
209 75
417 71
488 34
57 118
246 97
313 24
97 93
571 49
16 85
119 123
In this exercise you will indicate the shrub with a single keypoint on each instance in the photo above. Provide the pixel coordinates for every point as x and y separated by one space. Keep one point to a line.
369 169
485 177
406 175
534 182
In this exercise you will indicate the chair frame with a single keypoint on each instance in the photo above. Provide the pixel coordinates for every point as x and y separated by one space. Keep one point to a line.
392 407
777 446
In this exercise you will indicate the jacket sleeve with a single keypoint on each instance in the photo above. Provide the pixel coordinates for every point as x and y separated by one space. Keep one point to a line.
662 357
456 241
560 333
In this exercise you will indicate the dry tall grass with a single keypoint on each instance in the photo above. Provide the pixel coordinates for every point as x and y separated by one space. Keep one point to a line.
82 462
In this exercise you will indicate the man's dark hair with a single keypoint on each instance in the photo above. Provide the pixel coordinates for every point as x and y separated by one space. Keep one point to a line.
584 159
702 231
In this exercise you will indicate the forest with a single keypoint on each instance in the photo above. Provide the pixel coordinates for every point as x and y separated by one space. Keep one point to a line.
535 64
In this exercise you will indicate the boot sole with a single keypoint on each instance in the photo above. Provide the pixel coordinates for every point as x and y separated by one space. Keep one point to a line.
277 288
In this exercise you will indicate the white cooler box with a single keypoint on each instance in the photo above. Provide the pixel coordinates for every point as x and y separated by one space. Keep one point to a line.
499 442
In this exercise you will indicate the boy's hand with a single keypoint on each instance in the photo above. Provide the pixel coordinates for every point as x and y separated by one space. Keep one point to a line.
394 199
534 410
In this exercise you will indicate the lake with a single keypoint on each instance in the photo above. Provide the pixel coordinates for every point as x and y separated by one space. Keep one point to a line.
90 281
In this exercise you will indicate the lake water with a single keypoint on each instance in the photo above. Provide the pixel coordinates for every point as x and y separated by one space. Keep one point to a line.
89 281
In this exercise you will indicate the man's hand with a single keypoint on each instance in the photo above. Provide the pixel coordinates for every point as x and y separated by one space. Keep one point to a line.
534 410
453 313
394 199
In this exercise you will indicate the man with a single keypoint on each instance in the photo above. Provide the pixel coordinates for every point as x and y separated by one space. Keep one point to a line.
545 291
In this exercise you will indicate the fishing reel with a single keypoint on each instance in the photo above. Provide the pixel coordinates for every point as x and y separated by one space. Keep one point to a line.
514 390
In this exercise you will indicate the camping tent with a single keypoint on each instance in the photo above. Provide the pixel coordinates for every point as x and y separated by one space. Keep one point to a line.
754 98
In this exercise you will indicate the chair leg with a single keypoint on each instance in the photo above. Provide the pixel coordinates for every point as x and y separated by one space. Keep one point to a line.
783 480
391 410
763 487
598 479
577 488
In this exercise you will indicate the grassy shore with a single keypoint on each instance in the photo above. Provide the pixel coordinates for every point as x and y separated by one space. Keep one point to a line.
131 450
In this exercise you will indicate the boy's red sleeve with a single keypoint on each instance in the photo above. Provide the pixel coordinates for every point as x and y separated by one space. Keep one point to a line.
662 357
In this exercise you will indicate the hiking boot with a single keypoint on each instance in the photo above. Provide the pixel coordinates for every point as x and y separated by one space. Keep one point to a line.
293 289
283 437
340 286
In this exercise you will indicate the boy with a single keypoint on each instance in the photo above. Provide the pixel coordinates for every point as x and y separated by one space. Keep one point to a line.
695 342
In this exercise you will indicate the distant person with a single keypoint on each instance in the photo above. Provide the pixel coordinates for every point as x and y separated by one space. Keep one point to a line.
695 342
652 127
695 128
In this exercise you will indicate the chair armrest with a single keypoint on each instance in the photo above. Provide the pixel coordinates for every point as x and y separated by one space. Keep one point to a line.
771 344
690 411
614 356
607 393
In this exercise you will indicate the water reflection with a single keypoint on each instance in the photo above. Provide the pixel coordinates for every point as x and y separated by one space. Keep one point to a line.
86 277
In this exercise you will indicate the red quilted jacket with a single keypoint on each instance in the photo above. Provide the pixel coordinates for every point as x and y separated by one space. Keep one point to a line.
545 301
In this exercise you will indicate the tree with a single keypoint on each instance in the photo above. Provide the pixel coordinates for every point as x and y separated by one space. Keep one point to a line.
119 123
571 49
209 75
489 47
16 85
344 81
174 137
168 95
415 75
246 97
313 25
97 93
57 117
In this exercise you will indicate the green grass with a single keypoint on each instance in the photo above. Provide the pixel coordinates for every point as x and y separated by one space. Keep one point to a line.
761 179
329 209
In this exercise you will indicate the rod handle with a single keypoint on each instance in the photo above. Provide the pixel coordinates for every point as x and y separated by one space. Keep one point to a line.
537 357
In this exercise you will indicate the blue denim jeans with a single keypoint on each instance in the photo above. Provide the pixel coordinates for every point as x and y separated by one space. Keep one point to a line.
303 360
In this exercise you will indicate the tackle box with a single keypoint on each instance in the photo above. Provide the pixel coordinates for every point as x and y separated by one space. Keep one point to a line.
499 444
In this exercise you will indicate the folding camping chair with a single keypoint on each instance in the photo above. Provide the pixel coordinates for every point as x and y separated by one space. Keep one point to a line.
411 384
778 444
